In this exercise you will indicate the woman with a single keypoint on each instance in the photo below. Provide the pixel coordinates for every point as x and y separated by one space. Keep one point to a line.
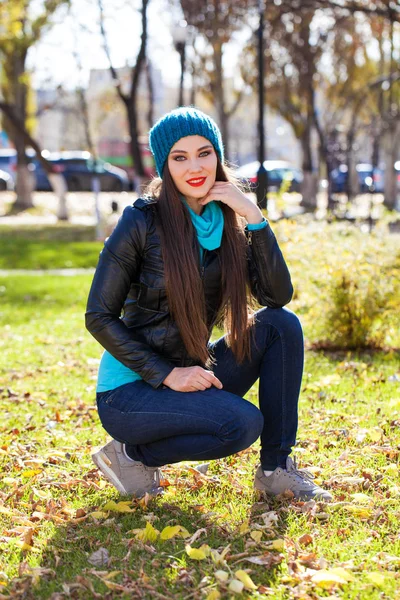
192 252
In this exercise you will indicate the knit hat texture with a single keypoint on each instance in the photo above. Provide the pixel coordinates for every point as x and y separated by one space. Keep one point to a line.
180 123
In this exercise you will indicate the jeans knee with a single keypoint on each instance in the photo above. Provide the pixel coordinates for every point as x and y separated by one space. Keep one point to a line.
245 429
293 321
282 318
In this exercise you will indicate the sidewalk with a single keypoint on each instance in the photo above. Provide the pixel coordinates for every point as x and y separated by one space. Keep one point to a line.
81 207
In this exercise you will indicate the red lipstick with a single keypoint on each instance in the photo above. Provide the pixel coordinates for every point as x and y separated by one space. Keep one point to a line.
196 181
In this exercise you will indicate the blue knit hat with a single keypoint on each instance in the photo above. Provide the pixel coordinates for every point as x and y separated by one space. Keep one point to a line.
180 123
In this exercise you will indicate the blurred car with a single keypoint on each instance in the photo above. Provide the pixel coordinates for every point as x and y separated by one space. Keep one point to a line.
397 171
366 174
278 172
78 169
8 156
6 182
8 161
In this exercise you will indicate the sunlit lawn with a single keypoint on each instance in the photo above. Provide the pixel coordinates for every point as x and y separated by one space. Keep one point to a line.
55 508
48 247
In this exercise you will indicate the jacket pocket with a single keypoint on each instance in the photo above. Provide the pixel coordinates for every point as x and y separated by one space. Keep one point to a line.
152 299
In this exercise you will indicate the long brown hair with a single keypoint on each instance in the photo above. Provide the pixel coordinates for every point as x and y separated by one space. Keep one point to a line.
180 251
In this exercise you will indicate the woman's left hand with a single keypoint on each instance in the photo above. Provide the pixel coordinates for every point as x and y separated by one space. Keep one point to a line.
228 193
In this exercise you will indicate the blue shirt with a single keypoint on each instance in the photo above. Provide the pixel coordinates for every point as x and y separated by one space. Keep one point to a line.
209 226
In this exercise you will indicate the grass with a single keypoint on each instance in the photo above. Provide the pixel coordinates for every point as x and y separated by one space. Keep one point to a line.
53 503
48 247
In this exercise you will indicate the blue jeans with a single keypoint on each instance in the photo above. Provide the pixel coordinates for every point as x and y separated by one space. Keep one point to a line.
161 426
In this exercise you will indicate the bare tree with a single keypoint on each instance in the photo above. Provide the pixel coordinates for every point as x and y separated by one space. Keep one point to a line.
299 33
130 99
216 22
19 31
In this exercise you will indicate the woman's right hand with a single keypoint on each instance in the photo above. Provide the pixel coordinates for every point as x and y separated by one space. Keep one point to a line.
191 379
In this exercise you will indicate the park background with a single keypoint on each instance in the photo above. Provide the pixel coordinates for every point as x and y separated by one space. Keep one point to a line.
94 76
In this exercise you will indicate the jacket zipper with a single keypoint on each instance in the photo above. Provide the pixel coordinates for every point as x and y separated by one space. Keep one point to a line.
249 241
202 264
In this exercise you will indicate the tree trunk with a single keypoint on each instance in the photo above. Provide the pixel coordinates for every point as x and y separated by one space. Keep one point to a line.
25 178
24 188
309 186
18 98
392 154
136 154
220 96
150 88
352 178
134 145
59 186
309 189
130 100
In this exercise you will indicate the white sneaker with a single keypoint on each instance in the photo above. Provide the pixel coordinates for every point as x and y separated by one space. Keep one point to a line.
298 481
128 476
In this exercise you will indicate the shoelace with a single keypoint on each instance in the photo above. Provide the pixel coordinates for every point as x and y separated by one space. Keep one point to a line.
303 473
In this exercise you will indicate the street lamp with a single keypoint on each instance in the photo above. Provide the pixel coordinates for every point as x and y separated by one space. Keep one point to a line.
262 175
180 37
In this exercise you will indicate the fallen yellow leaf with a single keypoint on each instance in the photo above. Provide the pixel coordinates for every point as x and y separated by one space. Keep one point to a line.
219 559
244 528
111 574
197 553
377 578
148 534
31 473
41 493
171 531
214 595
342 573
256 535
245 579
375 434
121 507
358 511
327 578
24 546
98 514
362 498
113 586
278 545
392 470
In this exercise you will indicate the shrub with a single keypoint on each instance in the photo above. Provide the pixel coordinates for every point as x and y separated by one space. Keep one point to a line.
358 303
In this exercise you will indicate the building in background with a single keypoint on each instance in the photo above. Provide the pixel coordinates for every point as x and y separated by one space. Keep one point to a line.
61 123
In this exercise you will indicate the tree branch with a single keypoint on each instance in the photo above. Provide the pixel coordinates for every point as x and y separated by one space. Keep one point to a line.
17 123
106 47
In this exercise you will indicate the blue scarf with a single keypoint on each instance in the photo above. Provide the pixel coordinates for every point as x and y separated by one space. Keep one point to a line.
209 225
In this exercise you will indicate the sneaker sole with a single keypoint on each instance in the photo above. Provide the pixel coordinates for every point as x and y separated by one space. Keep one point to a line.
318 497
110 476
107 472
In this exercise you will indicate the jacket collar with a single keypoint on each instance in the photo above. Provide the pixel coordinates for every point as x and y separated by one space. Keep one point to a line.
142 202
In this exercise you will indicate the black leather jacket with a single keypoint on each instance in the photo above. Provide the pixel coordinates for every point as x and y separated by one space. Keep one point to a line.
129 277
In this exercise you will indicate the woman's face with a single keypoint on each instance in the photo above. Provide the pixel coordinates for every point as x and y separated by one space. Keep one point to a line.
192 162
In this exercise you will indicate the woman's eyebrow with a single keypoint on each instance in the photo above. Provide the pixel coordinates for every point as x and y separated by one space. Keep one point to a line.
184 151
